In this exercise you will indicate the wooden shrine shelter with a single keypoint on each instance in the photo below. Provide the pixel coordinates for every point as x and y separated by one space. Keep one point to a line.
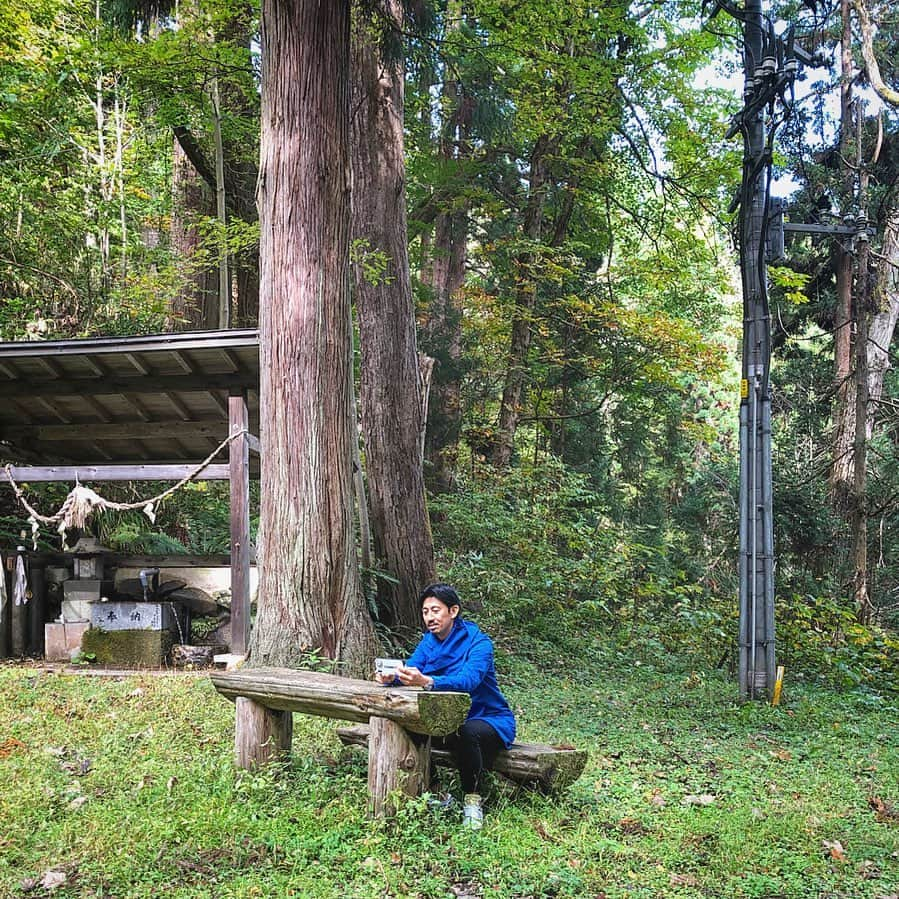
147 408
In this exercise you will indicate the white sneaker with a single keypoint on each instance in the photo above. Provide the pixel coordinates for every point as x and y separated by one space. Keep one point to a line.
472 812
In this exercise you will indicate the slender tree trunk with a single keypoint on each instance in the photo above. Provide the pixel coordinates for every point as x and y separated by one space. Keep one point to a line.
444 256
119 109
525 304
390 380
445 277
883 325
195 304
841 475
858 509
223 319
309 592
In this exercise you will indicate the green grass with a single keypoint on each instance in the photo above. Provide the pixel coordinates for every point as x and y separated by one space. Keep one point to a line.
127 788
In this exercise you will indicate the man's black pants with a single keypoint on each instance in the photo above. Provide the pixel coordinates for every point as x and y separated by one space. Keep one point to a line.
474 747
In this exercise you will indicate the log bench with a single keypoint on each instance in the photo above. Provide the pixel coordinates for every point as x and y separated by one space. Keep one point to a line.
549 768
265 699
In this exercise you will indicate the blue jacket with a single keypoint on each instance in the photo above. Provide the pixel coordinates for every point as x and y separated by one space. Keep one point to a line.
464 662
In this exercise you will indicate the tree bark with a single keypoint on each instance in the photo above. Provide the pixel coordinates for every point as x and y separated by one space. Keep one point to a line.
390 379
883 325
309 592
194 307
844 405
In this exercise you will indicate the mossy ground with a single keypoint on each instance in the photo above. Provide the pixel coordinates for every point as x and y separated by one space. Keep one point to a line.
127 788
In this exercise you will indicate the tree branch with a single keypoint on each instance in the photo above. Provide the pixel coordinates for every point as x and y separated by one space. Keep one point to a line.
882 89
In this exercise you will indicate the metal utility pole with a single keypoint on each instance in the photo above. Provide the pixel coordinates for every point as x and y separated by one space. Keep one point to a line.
757 660
771 64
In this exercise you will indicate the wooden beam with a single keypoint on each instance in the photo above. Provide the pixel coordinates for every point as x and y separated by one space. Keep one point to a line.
178 406
185 365
134 560
215 430
138 385
239 466
51 409
148 472
221 402
138 407
139 365
50 366
99 410
434 712
231 359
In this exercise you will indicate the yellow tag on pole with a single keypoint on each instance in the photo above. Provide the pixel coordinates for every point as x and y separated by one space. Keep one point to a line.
744 388
778 685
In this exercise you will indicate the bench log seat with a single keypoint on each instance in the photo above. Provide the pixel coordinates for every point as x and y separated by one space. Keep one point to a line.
265 699
538 764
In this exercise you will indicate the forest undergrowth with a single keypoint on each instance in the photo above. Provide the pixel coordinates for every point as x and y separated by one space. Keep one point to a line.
126 788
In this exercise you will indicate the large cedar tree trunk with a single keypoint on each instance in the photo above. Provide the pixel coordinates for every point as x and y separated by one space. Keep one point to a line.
309 592
390 381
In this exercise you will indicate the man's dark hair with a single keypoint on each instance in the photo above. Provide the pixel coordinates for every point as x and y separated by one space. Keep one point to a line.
446 594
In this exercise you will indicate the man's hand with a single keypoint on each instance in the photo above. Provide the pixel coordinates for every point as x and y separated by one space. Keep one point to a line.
412 677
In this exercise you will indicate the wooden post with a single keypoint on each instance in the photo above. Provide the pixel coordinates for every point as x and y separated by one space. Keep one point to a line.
260 734
239 459
395 763
36 611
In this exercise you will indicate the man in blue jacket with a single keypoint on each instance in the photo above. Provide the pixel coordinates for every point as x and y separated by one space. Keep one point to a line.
456 654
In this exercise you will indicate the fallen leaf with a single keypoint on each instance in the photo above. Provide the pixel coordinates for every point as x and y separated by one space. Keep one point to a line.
701 799
884 811
8 747
868 870
170 784
139 691
541 828
783 754
77 802
631 826
28 884
657 799
834 848
396 858
52 880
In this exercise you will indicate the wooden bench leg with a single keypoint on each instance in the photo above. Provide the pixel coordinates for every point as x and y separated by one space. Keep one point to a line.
260 734
394 763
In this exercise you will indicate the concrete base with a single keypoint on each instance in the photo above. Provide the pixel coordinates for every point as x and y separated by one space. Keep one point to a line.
62 640
128 648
